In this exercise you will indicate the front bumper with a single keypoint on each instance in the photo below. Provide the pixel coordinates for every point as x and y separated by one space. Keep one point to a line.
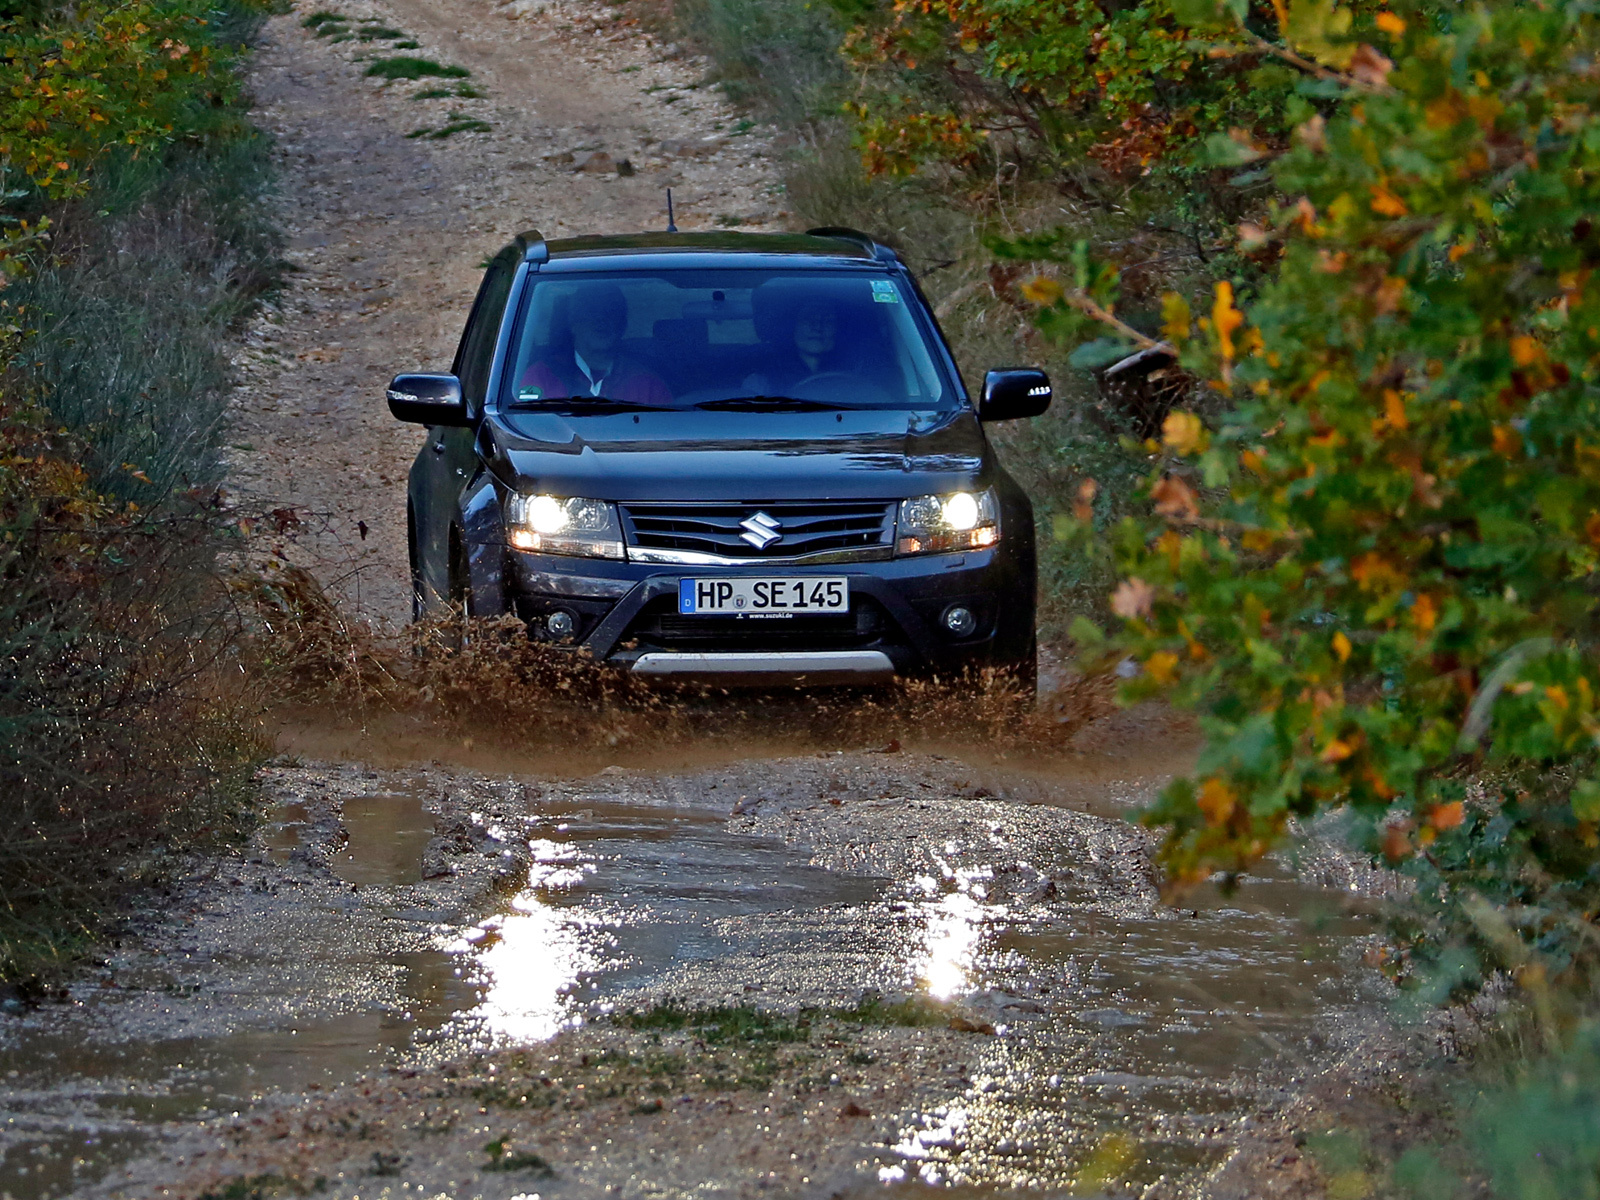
626 613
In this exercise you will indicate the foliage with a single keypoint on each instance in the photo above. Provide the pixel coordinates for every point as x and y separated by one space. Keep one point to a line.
119 743
1374 578
86 81
1126 86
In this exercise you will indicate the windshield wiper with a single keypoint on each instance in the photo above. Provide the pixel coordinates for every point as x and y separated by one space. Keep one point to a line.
585 404
760 403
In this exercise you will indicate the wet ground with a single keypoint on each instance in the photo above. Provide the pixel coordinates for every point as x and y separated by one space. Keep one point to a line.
988 976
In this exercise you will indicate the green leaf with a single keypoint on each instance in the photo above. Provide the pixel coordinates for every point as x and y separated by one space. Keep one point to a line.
1101 352
1586 800
1317 27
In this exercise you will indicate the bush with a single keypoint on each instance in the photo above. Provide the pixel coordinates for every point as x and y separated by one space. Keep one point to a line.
120 744
1373 577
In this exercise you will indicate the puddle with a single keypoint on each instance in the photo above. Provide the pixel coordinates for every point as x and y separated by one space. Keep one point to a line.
616 898
385 838
1165 1028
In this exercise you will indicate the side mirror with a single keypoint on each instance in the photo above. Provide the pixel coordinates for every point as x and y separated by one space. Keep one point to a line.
427 399
1013 392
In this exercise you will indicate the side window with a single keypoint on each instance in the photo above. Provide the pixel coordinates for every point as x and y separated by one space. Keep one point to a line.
477 347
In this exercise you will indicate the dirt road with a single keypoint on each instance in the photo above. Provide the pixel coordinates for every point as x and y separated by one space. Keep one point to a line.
745 967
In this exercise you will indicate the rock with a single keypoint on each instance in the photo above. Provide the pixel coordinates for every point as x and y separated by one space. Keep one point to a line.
684 148
624 167
1039 893
852 1109
596 162
560 158
965 1025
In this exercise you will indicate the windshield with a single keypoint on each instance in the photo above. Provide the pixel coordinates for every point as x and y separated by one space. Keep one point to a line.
729 339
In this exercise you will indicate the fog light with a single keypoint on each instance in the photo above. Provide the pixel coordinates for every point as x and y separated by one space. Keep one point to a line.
560 624
960 621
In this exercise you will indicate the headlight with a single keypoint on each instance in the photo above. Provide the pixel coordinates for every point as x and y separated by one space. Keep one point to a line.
552 525
958 521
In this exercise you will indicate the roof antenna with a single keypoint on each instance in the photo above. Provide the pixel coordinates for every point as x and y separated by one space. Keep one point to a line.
672 226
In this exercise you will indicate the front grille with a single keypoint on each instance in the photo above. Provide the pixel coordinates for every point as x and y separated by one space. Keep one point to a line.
660 625
803 528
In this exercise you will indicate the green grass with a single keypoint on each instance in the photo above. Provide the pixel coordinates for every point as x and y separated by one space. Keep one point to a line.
405 66
915 1013
741 1025
502 1157
380 33
459 123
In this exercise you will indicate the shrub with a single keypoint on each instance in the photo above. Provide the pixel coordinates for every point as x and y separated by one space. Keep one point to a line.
119 745
1373 577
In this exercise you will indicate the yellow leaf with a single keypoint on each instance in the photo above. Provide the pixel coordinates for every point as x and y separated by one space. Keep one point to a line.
1161 667
1183 432
1174 318
1390 24
1337 751
1041 291
1341 646
1216 801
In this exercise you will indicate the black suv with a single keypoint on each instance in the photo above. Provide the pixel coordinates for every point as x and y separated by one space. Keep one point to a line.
736 457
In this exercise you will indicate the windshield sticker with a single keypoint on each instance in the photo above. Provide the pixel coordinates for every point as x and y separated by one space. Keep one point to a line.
884 291
530 393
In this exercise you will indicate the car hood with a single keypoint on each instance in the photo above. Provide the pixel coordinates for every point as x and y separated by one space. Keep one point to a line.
699 455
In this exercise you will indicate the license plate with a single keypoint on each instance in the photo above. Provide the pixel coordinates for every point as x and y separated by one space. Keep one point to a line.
810 596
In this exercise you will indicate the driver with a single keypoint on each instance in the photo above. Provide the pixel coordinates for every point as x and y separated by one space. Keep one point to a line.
813 350
594 366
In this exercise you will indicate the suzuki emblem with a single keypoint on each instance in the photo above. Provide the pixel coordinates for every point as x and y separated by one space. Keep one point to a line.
760 530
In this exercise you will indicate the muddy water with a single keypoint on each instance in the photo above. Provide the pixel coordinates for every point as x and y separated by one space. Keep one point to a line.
333 956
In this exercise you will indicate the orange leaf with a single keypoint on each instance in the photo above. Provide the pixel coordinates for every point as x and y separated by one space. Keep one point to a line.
1374 572
1447 816
1341 646
1394 409
1592 528
1525 351
1390 24
1175 498
1424 613
1396 843
1507 441
1385 203
1225 318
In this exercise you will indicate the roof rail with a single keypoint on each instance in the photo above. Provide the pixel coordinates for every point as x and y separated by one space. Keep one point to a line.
878 251
531 241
